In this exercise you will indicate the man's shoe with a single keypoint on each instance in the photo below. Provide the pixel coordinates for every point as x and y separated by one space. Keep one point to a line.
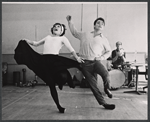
109 94
109 106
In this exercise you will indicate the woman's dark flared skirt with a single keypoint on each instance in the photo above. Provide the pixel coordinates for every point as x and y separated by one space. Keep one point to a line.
44 66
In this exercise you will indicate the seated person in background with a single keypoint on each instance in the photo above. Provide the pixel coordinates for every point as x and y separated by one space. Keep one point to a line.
118 61
118 56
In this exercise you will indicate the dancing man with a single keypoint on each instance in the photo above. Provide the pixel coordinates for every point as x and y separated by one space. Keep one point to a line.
49 66
94 47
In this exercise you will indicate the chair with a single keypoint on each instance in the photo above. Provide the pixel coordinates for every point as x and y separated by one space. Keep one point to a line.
4 73
146 77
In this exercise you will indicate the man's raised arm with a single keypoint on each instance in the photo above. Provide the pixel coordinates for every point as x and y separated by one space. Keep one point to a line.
72 28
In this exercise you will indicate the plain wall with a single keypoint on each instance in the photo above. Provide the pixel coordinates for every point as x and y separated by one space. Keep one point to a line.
126 22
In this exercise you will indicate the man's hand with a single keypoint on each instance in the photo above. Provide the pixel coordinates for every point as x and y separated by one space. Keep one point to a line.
120 53
99 58
68 18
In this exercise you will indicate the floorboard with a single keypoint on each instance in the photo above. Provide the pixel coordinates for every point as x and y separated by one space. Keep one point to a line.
27 103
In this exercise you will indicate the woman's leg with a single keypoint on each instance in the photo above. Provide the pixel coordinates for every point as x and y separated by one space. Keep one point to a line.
54 95
48 79
62 77
67 77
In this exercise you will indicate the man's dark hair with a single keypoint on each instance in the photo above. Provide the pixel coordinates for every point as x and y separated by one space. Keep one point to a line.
100 18
60 25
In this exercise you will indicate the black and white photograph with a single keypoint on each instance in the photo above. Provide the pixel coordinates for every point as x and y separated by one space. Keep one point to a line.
74 60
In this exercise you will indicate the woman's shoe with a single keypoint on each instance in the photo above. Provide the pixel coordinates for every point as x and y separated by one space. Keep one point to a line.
62 110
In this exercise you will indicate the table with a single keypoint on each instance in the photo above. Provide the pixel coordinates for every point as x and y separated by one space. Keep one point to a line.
137 65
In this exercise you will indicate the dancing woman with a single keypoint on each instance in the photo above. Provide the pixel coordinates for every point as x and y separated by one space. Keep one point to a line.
49 66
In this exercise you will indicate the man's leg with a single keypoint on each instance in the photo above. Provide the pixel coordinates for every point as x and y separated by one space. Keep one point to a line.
91 77
100 69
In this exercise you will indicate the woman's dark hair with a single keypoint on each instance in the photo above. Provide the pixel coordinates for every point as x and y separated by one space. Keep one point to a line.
100 18
60 25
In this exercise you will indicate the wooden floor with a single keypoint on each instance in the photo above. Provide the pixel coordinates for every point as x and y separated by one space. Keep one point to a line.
27 103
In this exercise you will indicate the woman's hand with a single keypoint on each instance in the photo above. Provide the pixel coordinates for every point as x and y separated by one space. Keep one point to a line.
80 60
28 41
